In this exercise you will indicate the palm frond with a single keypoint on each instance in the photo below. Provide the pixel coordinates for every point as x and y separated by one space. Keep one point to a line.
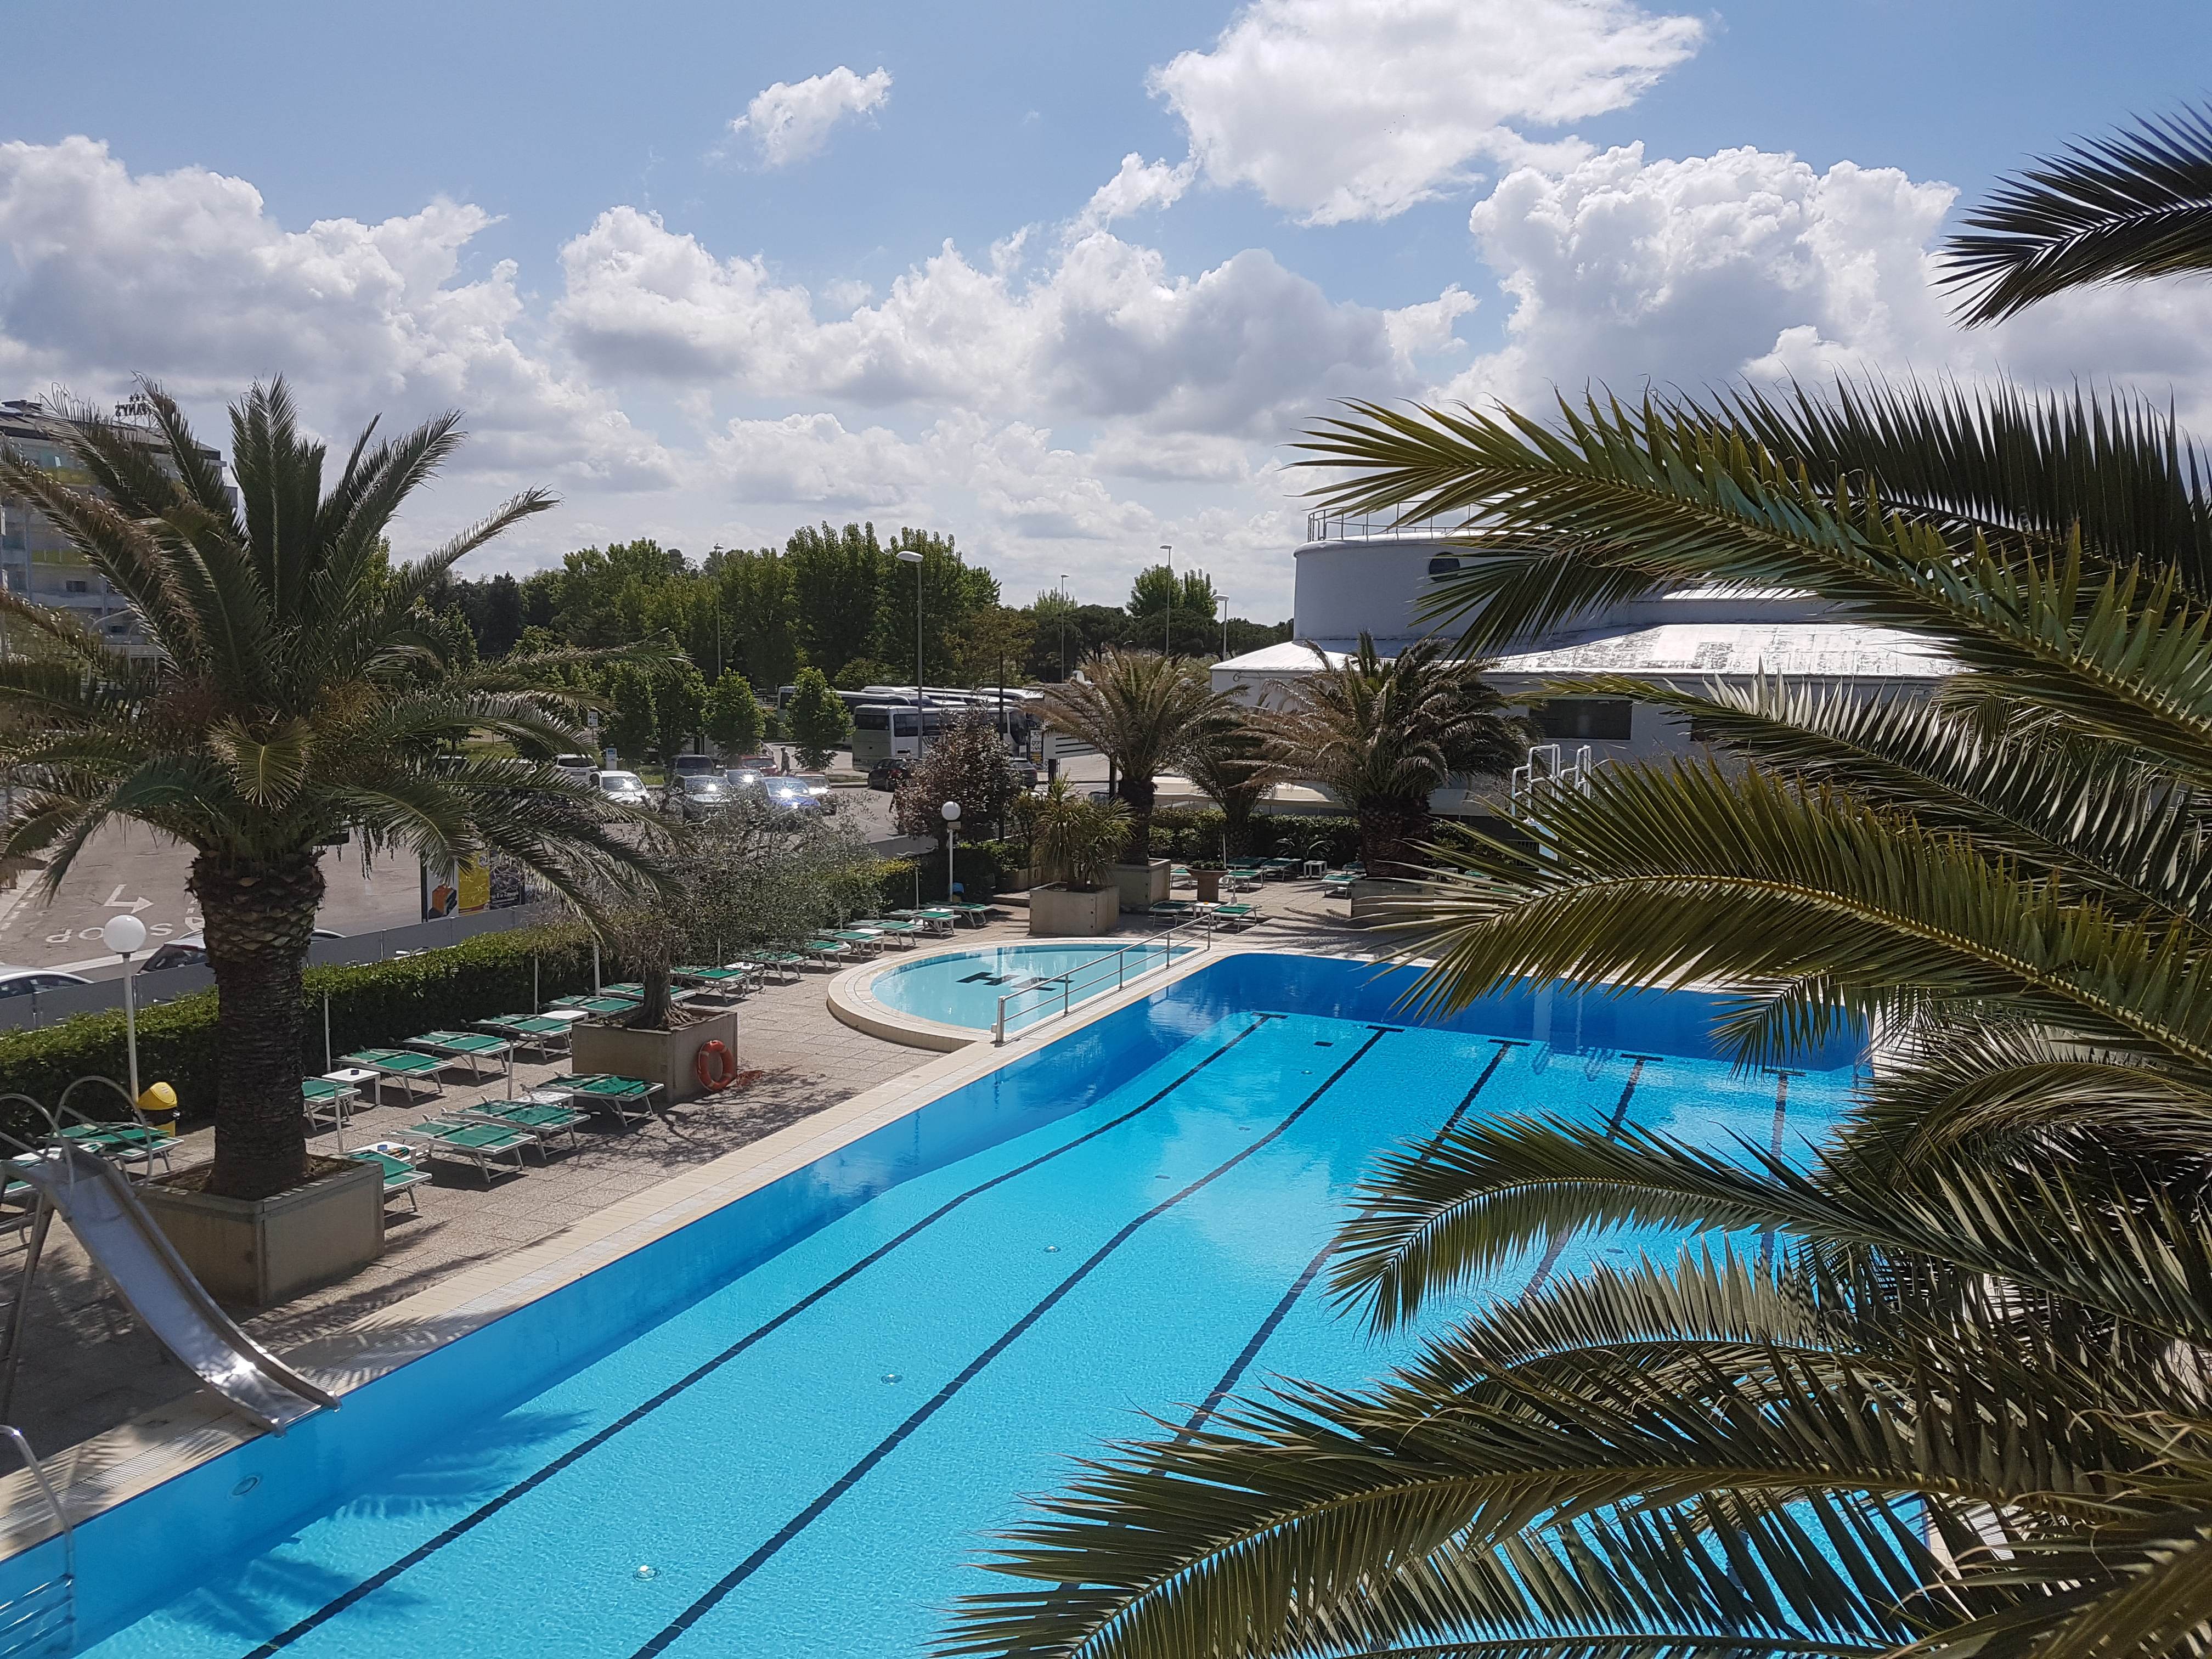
2133 205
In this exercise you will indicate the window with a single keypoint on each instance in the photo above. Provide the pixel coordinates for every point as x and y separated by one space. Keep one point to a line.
871 719
1602 719
1443 566
77 588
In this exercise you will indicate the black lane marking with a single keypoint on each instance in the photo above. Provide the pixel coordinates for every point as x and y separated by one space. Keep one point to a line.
1781 1110
1235 1374
476 1517
929 1408
1558 1244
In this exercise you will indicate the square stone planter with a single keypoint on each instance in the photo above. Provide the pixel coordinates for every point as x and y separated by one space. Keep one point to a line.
1383 899
663 1057
1143 885
259 1251
1209 884
1060 913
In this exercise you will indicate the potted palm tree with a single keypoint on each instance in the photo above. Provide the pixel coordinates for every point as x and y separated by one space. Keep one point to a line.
294 693
1382 735
1075 842
1144 711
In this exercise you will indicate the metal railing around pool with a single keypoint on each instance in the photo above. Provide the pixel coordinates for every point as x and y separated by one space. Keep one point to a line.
1110 971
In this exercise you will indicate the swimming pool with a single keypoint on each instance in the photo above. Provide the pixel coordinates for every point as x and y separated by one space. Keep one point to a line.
803 1412
963 987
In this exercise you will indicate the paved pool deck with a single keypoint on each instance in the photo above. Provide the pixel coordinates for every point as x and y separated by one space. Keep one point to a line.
88 1367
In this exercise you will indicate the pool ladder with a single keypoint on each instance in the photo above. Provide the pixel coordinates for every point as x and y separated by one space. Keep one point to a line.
42 1621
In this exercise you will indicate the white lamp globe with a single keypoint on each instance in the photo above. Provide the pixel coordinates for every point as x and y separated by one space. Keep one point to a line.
126 934
952 809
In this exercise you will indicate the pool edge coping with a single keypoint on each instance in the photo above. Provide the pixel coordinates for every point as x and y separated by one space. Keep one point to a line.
157 1446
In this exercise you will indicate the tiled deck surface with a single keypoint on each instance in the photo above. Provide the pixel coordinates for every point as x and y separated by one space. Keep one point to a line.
88 1366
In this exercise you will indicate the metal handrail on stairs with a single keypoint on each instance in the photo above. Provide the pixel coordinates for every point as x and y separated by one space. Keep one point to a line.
1064 986
42 1621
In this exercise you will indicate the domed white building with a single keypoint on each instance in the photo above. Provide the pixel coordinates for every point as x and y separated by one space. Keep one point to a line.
1351 579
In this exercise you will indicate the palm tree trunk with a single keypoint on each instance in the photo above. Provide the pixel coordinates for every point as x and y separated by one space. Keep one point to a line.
259 917
1387 831
1140 793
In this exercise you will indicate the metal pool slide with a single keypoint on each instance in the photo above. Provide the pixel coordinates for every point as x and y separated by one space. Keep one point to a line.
130 1249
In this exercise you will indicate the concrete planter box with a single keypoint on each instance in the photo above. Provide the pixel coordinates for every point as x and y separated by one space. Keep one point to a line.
259 1251
1209 884
1383 898
662 1057
1143 885
1060 913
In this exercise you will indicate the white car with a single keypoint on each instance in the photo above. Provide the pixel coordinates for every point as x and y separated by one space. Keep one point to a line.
30 982
190 951
579 768
625 788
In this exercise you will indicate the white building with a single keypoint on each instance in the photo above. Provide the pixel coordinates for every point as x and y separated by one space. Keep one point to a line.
1374 582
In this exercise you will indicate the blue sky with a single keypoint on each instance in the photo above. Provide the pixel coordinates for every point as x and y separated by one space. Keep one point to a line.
542 214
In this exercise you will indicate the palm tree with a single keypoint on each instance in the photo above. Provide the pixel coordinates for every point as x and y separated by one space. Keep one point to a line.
1964 1406
1144 711
2125 208
1231 769
296 691
1382 735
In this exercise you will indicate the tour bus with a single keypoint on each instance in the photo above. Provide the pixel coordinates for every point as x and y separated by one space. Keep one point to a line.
887 730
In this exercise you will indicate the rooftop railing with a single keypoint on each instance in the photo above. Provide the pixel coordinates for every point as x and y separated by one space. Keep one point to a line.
1358 527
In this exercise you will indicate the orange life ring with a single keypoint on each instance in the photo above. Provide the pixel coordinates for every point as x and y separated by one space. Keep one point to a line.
714 1066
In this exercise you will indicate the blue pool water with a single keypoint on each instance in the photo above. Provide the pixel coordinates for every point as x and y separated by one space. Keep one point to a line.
963 987
853 1376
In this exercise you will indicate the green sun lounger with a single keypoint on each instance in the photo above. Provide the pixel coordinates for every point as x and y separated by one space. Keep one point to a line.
402 1174
726 982
1175 907
975 913
1236 915
628 1098
480 1144
859 938
822 951
540 1120
783 963
473 1047
325 1097
903 933
401 1066
533 1031
597 1005
119 1142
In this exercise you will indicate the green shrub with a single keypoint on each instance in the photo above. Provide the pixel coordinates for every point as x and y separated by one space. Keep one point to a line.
372 1005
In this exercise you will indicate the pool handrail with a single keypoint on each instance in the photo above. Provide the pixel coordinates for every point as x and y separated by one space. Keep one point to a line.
1064 984
28 1623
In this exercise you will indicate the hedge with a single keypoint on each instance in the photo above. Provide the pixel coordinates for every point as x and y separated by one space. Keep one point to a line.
980 867
372 1005
1188 834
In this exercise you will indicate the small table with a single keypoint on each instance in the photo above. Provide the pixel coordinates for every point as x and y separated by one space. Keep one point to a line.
1316 868
572 1015
354 1077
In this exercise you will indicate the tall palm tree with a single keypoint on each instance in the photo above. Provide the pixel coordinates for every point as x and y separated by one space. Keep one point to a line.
2132 206
1382 735
296 691
1144 711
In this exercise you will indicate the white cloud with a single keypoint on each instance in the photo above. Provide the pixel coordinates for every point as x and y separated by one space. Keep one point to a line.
813 458
1338 110
791 120
1107 333
1139 185
1171 456
185 277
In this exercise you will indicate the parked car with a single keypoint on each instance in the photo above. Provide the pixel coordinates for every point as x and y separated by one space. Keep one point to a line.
190 951
765 764
703 798
889 774
30 982
696 766
625 788
745 779
791 795
578 767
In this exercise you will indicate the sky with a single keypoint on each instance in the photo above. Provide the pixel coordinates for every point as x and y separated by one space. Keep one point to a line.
1064 282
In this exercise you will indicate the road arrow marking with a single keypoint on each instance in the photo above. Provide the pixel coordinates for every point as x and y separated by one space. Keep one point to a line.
116 902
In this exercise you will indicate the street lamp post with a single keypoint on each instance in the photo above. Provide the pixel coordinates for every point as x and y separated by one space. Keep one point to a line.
1063 627
909 556
1167 636
1222 599
952 811
125 935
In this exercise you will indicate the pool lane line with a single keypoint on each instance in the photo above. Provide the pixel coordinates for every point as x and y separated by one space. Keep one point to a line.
1558 1244
1235 1374
678 1627
485 1512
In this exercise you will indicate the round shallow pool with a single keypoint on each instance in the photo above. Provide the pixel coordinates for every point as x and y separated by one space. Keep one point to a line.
962 988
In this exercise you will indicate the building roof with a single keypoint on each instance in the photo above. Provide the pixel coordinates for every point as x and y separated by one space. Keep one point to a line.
1687 651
